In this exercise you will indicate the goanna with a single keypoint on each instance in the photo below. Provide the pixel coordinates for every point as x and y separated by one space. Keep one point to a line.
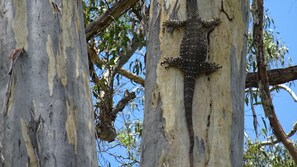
192 60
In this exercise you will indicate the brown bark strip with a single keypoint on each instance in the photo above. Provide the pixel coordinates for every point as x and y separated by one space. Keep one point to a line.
275 76
13 59
268 107
105 19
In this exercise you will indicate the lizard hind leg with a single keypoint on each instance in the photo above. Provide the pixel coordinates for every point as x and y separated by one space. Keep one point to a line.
170 25
174 62
208 68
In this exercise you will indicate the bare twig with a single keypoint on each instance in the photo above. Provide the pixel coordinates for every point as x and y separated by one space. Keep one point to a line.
255 120
287 89
290 134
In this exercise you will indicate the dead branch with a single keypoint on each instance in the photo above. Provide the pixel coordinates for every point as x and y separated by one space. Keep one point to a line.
128 96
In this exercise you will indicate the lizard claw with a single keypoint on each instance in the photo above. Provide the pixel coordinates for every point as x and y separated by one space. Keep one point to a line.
165 62
166 67
217 21
166 23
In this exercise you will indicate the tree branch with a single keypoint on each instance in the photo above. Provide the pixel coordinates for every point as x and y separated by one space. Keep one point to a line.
124 56
290 134
263 79
105 19
131 76
122 103
99 62
287 89
276 76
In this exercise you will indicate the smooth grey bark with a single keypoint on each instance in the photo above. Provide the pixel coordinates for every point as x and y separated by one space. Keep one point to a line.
49 120
218 105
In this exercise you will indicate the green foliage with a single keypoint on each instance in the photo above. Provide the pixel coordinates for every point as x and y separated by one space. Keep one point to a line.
92 10
129 137
274 50
256 154
117 37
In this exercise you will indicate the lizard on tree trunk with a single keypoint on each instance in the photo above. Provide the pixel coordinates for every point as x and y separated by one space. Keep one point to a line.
192 60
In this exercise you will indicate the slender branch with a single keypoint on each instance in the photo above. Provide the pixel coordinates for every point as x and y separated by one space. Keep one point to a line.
255 120
290 134
286 88
124 56
263 79
99 62
131 76
105 19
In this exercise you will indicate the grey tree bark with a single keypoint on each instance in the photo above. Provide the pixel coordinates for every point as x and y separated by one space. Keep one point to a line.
46 112
218 106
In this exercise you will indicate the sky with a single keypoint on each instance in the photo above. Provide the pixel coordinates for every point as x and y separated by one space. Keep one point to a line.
284 14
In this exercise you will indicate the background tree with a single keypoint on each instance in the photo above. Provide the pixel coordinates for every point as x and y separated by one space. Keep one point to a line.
266 47
108 20
46 114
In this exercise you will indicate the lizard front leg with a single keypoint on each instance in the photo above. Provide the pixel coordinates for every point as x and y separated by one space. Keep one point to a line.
210 24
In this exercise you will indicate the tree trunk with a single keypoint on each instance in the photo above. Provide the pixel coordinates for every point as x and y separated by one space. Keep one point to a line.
46 112
218 103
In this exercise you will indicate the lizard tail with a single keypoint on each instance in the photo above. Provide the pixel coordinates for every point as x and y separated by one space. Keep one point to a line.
189 85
